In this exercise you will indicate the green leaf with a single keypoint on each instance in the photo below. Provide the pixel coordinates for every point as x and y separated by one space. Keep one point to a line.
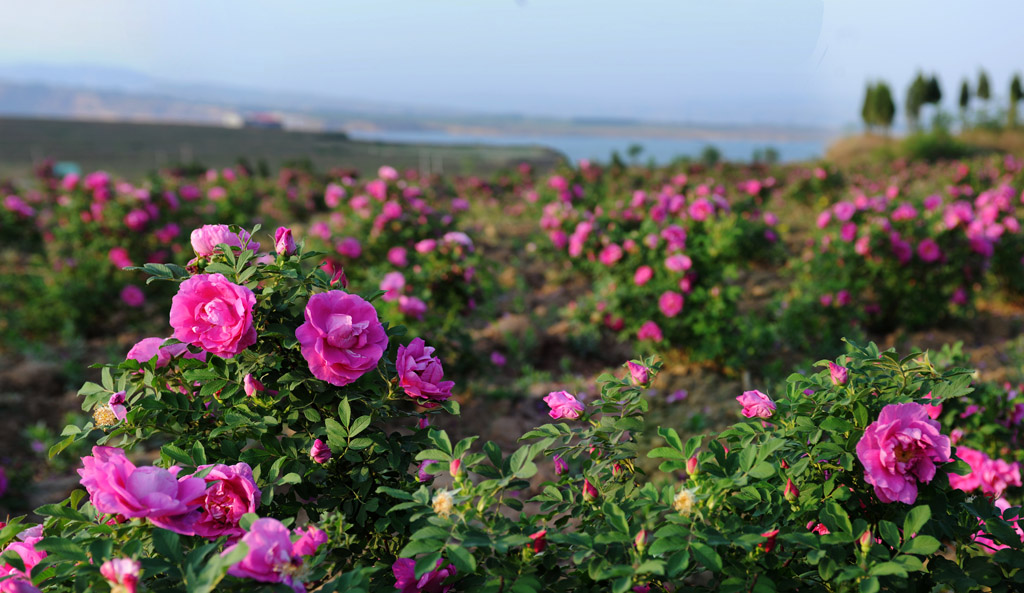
345 412
922 545
890 533
835 518
672 438
665 452
870 585
761 470
61 511
707 556
886 569
462 559
63 548
359 425
426 563
916 519
615 517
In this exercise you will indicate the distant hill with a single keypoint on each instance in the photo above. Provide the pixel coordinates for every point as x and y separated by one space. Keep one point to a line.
134 149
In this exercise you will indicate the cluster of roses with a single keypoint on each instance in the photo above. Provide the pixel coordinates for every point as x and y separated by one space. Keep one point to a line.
639 243
341 339
903 448
938 230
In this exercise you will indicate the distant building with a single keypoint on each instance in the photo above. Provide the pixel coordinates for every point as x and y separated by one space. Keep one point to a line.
265 120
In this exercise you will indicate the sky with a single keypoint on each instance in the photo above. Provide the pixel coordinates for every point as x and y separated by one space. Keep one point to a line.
791 62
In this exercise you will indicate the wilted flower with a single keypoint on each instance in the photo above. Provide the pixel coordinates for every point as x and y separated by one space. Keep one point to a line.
252 385
442 504
770 536
684 501
560 465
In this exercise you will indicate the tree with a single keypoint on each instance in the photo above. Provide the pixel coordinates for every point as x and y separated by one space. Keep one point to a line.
866 111
932 92
1016 94
965 100
916 95
983 90
884 108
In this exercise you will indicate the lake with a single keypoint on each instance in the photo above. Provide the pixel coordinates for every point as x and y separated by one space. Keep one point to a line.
600 148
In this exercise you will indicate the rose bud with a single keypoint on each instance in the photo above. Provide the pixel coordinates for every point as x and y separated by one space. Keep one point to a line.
639 374
252 385
839 374
539 541
320 452
790 492
283 242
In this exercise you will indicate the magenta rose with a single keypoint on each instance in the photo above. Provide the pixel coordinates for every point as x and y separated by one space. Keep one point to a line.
404 570
231 493
563 405
206 238
756 404
341 338
117 487
270 558
310 540
122 574
211 312
901 449
421 375
320 452
284 244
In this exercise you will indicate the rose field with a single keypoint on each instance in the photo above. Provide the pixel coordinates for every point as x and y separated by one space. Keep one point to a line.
596 377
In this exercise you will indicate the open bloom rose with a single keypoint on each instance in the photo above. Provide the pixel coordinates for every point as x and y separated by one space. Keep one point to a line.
341 338
116 486
901 449
649 331
215 314
270 558
393 283
404 570
232 492
421 375
563 405
756 404
206 238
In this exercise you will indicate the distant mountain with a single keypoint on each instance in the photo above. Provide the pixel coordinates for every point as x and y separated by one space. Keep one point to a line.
114 94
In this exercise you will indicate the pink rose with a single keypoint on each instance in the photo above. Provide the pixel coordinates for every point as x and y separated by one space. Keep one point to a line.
638 373
320 452
147 348
643 275
270 558
397 256
839 374
206 238
901 449
231 493
252 385
284 244
393 283
756 404
610 254
563 405
560 465
678 262
421 375
215 314
411 307
116 486
404 570
349 247
310 540
122 574
133 296
670 303
650 331
341 338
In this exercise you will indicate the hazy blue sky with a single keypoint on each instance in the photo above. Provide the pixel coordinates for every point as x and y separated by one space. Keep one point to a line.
741 61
